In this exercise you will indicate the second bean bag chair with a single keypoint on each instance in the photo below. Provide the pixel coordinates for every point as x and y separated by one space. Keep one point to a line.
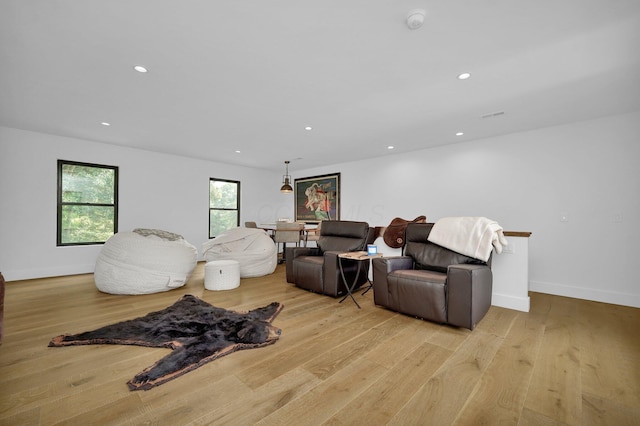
254 250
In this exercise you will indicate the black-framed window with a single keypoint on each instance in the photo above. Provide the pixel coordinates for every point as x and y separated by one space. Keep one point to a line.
87 203
224 205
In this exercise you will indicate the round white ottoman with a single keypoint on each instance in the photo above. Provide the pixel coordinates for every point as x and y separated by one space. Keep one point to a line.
221 275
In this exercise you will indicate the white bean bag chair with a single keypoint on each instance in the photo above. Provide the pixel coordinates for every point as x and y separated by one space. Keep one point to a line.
144 261
252 248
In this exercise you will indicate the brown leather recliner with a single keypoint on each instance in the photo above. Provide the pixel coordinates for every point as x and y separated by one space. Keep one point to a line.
432 282
317 269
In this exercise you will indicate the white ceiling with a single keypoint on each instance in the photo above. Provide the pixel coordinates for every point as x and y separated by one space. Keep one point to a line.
249 75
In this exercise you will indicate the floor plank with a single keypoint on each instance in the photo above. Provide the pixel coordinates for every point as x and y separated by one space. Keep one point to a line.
556 387
445 393
503 388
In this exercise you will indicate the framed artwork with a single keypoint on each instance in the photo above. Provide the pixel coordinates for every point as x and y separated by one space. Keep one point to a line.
317 198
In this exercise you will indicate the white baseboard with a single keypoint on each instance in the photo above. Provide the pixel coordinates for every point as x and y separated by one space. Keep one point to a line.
32 273
510 302
616 298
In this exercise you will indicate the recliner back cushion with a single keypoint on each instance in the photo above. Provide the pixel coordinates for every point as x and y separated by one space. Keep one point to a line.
428 255
342 235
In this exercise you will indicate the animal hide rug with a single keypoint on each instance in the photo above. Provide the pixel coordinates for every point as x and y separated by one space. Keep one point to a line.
196 331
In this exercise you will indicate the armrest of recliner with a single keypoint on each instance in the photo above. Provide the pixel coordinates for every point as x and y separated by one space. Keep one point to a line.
330 266
292 253
302 251
382 267
469 288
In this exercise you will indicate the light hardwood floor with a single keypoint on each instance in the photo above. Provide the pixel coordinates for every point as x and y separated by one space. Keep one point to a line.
567 361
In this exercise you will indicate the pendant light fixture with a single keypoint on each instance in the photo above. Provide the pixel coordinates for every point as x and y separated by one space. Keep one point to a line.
286 179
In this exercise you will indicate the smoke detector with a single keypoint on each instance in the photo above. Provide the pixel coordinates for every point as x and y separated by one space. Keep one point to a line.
415 18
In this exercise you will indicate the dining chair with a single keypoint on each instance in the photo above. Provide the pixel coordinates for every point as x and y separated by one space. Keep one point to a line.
287 232
312 234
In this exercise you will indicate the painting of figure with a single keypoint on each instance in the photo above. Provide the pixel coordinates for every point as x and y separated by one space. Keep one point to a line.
317 198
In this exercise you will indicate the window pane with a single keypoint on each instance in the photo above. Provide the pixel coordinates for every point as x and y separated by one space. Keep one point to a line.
223 195
86 224
221 220
84 184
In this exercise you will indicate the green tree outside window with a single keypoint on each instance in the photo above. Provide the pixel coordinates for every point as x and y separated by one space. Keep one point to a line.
224 205
87 203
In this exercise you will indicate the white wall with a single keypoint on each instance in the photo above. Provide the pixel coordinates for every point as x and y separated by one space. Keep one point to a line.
525 181
155 191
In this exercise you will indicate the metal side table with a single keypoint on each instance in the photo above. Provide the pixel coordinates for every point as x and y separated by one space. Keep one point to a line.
363 260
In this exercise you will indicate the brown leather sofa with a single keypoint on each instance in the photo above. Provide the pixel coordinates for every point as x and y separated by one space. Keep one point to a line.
317 269
432 282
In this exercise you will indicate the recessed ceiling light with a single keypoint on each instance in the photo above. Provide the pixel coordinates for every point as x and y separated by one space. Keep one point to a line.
459 133
308 128
104 123
390 147
237 151
140 68
464 76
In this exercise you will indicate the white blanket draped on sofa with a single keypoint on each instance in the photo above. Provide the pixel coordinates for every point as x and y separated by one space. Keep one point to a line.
472 236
